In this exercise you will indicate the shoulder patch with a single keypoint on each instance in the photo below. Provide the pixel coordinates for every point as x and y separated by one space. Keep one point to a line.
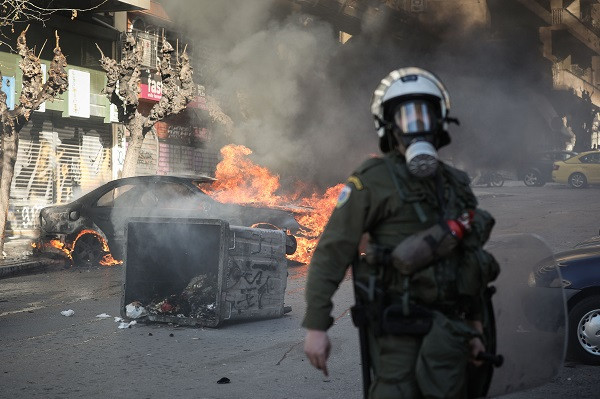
356 181
344 196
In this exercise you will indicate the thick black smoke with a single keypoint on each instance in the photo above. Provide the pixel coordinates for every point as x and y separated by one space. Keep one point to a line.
300 100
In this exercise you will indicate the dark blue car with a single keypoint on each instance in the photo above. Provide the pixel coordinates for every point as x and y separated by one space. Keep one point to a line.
580 273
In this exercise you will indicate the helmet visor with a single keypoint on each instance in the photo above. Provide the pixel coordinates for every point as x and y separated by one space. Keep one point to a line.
416 116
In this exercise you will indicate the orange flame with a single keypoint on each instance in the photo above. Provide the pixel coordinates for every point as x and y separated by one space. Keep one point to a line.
67 248
314 221
241 181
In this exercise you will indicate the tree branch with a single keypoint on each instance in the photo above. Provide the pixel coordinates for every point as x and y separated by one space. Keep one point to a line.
34 92
177 86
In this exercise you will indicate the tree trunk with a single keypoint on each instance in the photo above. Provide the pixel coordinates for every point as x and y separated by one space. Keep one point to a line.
135 127
9 156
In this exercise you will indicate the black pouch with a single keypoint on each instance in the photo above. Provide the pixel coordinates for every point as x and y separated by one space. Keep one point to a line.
418 321
359 315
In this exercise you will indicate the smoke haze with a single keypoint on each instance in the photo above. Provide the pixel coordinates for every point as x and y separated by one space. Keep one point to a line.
300 100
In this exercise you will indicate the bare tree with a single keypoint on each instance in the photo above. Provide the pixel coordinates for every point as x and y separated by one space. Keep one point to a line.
122 90
20 12
33 94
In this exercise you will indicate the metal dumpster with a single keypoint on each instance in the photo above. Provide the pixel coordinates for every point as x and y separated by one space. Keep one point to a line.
201 272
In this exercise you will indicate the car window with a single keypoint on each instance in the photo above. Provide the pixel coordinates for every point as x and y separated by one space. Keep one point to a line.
115 197
591 158
546 157
170 193
203 185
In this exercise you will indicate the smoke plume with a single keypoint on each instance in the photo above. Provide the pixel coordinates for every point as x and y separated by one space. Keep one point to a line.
300 100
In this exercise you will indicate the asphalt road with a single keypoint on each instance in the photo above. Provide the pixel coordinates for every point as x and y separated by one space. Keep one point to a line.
47 355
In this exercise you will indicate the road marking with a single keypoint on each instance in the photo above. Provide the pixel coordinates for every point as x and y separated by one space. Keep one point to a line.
30 308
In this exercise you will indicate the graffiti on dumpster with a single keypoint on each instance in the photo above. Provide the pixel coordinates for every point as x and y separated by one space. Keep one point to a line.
246 290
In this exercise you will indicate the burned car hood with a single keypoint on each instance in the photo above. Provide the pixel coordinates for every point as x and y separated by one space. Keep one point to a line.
248 215
61 218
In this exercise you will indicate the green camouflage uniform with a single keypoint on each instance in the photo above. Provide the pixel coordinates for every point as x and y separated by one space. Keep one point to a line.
390 210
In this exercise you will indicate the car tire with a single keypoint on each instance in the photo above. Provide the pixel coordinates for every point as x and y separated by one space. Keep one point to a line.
291 244
88 251
533 178
584 325
497 180
577 180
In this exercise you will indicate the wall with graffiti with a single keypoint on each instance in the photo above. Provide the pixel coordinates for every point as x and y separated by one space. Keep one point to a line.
58 160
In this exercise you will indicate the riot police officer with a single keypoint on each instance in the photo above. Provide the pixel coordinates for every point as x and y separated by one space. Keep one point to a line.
420 283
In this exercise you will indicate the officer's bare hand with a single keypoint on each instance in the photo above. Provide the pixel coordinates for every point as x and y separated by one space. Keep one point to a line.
317 348
476 346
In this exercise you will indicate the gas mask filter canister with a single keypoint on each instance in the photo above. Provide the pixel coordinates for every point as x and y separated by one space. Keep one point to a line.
421 158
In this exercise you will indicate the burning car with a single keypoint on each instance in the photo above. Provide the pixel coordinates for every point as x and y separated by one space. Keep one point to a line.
91 229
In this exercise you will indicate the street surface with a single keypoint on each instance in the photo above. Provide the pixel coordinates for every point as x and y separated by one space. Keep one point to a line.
47 355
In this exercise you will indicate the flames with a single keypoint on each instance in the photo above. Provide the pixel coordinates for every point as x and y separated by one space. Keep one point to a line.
67 248
241 181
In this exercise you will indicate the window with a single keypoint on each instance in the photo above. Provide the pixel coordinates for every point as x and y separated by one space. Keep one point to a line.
169 193
591 158
117 197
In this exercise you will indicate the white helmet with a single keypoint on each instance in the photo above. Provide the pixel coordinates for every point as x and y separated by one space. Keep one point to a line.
415 102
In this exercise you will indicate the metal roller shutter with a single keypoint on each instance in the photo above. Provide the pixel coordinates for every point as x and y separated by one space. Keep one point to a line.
58 160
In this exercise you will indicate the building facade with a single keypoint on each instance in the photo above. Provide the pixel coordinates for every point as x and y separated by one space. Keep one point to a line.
76 143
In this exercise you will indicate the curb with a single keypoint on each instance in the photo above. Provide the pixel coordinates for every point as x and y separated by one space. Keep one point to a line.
15 267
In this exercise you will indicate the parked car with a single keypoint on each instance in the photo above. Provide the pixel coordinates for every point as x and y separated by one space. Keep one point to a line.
537 170
580 279
104 212
578 171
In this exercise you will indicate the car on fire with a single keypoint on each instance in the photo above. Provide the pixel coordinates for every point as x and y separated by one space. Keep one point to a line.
83 226
578 171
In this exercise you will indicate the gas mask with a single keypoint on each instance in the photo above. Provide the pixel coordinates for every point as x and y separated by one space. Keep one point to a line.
410 109
416 123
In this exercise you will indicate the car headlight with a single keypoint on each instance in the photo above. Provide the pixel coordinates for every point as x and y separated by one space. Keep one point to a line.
73 215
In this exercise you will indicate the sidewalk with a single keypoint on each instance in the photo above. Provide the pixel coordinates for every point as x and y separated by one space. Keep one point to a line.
18 258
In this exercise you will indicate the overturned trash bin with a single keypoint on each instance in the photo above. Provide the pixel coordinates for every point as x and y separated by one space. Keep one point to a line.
201 272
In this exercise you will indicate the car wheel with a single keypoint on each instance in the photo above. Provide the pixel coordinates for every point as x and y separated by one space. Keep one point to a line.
532 178
291 244
577 180
497 180
88 251
584 330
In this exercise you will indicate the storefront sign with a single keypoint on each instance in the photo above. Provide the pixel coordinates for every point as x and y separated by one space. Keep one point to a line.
182 135
151 86
199 99
8 87
146 45
79 93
